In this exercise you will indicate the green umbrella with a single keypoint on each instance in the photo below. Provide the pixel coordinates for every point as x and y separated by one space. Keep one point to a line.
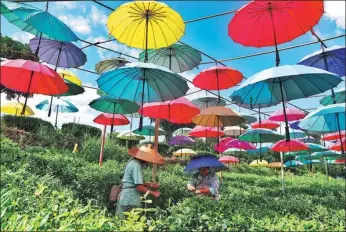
303 157
297 134
296 153
182 131
73 89
313 147
329 154
339 95
100 92
128 135
260 136
178 58
106 65
149 131
205 102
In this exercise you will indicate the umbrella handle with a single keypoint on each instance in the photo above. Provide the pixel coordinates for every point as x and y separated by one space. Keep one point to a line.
50 107
26 98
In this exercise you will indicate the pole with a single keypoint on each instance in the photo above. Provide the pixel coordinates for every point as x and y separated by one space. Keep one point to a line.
156 143
56 118
276 45
28 91
284 108
112 126
282 172
326 167
102 145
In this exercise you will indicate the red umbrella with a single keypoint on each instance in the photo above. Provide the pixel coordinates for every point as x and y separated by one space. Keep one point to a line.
337 146
206 132
221 145
229 159
31 77
178 111
333 136
266 123
109 119
292 145
292 114
339 161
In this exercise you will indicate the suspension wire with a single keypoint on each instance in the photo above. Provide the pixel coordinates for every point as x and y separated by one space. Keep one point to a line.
101 4
98 43
211 16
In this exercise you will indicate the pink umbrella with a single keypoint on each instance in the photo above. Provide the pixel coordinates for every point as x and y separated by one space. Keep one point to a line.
236 143
206 132
221 145
229 159
266 124
333 136
292 145
292 114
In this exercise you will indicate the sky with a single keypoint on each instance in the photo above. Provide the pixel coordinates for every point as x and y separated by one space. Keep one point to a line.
88 20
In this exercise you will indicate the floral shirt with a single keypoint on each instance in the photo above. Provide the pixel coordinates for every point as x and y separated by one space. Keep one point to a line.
210 181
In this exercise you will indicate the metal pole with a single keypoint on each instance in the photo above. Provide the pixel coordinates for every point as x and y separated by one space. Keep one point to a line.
102 145
282 172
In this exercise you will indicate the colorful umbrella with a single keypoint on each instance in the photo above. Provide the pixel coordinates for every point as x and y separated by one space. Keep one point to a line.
295 125
108 119
70 76
181 140
260 136
15 108
338 161
308 140
58 106
339 97
73 89
184 152
259 163
146 25
228 159
333 136
249 118
292 114
221 145
323 154
177 58
330 59
236 143
201 161
340 146
31 77
100 92
297 134
275 165
182 131
296 153
109 64
206 132
292 145
313 147
234 151
36 21
307 162
205 102
129 135
233 131
261 148
149 131
293 163
59 54
265 124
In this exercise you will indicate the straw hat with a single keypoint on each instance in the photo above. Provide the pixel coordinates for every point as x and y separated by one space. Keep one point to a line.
147 154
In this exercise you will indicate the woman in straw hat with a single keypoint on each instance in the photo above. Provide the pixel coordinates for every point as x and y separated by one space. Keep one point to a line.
132 183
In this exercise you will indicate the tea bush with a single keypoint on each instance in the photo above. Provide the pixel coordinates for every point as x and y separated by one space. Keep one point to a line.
80 130
27 124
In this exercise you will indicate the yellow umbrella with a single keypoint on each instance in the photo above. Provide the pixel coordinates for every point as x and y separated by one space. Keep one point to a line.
16 108
259 163
70 76
146 25
275 165
184 152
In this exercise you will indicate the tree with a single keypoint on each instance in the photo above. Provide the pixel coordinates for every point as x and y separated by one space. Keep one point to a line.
170 128
12 49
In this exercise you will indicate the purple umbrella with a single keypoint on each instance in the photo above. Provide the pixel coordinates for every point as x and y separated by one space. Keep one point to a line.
295 126
181 140
60 54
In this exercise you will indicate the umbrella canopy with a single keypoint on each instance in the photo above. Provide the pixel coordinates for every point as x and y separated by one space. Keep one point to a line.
292 145
325 119
259 163
177 58
295 125
330 59
58 105
275 165
109 119
249 118
227 159
180 110
15 108
323 154
338 161
112 105
147 153
340 146
293 163
308 140
181 140
334 136
298 81
206 132
205 102
129 135
182 131
73 89
37 21
216 78
292 114
59 54
313 147
233 131
203 161
296 153
184 152
339 97
296 134
236 143
141 82
307 162
149 131
267 23
221 145
218 116
146 25
265 124
260 136
106 65
262 148
70 76
234 151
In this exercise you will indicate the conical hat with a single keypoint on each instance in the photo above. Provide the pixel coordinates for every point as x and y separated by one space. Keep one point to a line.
147 153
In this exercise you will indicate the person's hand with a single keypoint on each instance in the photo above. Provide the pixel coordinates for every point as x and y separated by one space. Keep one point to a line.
155 194
202 191
154 185
191 188
197 192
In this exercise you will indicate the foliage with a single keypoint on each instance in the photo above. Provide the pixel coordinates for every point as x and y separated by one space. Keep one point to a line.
80 130
163 148
12 49
28 124
170 128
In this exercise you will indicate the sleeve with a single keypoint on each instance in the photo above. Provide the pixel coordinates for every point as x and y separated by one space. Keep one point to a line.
214 188
193 181
137 173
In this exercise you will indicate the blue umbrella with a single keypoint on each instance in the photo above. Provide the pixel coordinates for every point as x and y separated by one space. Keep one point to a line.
293 163
284 83
296 134
204 161
338 96
263 148
313 147
295 125
306 162
322 154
